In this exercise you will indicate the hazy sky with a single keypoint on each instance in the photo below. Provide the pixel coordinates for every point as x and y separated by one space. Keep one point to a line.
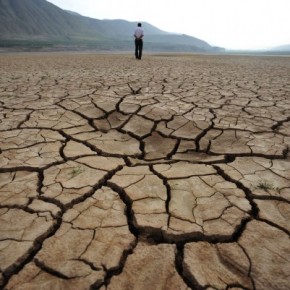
233 24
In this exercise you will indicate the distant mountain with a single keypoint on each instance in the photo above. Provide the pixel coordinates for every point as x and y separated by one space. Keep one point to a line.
72 12
285 47
40 23
22 19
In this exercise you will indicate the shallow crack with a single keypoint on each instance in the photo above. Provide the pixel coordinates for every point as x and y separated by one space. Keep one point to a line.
272 224
29 256
254 208
49 270
119 269
251 265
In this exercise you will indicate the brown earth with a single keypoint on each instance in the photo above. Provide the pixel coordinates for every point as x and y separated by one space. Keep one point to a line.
172 172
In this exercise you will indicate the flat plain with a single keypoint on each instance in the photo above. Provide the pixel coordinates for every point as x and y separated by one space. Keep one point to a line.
172 172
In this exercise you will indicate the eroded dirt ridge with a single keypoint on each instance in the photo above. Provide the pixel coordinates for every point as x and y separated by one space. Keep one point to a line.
169 173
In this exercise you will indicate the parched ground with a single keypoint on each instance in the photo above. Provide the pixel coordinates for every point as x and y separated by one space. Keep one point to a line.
169 173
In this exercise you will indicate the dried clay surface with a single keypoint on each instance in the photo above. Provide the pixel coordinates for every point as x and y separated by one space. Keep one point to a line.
169 173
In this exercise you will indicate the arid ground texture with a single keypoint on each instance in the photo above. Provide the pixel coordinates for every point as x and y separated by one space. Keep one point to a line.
169 173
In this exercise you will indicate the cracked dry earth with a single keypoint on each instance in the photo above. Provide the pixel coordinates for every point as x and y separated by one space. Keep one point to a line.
168 173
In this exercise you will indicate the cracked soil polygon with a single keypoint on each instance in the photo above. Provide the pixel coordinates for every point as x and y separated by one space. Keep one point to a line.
168 173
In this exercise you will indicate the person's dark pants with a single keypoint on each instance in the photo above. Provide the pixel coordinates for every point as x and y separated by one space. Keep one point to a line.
138 48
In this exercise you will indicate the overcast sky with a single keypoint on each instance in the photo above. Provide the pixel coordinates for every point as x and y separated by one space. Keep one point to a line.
233 24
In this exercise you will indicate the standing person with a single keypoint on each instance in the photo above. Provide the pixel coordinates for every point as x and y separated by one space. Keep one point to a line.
138 34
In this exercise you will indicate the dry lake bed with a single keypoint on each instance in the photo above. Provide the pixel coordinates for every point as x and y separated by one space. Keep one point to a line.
169 173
